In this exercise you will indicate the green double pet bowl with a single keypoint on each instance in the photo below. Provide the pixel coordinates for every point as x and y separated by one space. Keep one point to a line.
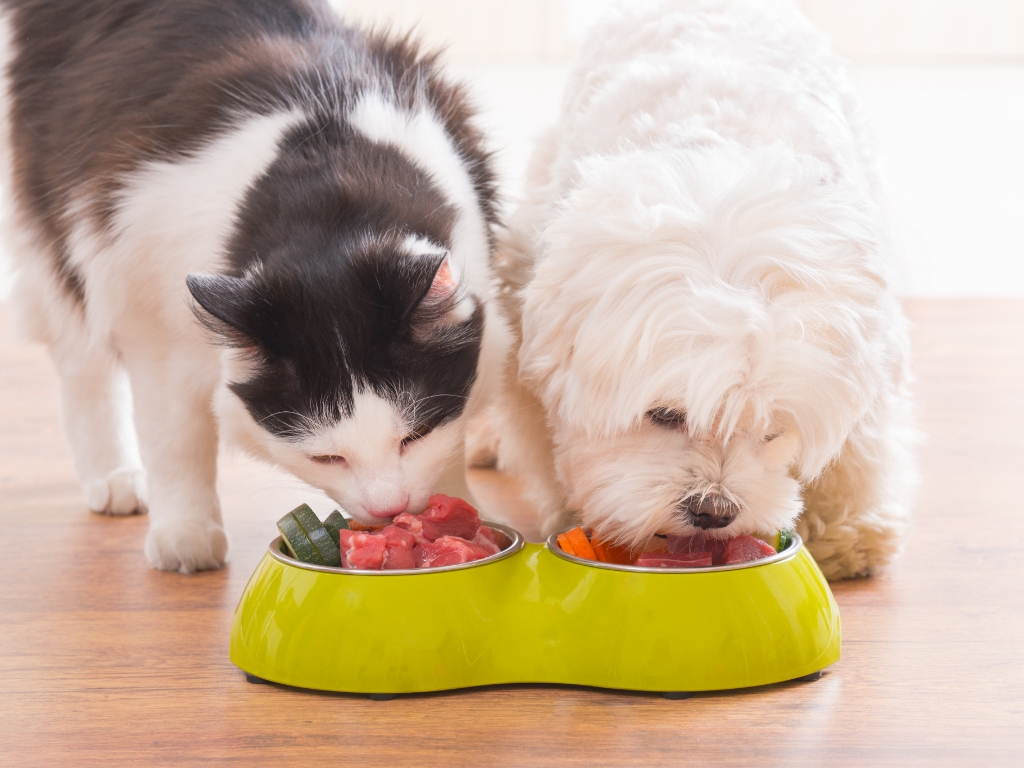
534 614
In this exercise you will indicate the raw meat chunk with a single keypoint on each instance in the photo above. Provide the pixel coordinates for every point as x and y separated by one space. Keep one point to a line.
492 535
365 551
448 532
486 541
669 560
451 516
448 550
398 550
745 549
424 530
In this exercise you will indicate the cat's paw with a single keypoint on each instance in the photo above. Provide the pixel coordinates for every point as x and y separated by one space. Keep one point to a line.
121 492
187 546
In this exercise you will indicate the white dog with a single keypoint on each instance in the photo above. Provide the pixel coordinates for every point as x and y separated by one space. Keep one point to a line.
707 335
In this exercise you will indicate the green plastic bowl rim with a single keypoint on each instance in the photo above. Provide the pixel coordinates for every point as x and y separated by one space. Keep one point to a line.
789 552
511 533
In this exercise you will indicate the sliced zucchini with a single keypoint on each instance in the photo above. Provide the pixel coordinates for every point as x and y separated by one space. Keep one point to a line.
785 539
334 523
318 535
296 541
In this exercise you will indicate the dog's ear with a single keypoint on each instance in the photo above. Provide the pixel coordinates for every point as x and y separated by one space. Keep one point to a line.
224 307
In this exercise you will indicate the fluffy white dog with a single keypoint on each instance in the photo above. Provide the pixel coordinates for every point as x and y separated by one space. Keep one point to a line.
707 334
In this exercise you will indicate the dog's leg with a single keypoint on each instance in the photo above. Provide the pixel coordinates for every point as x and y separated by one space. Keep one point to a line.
172 384
857 513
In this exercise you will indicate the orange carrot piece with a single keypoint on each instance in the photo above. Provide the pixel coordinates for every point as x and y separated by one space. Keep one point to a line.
610 553
355 525
565 545
580 543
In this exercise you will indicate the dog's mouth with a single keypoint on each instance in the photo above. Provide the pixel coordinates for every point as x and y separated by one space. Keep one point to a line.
710 510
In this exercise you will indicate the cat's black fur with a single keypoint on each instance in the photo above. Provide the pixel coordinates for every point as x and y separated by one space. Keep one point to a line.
316 286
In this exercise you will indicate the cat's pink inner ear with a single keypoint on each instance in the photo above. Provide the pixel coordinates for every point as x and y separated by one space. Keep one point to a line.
444 282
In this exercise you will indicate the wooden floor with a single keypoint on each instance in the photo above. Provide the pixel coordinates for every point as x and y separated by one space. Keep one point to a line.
103 661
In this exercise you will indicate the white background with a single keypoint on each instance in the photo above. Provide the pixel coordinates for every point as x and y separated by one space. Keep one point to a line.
943 82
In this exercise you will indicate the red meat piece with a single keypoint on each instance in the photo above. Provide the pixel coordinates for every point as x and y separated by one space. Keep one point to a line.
451 516
448 550
365 551
695 543
398 550
681 552
498 539
424 530
745 549
695 559
486 539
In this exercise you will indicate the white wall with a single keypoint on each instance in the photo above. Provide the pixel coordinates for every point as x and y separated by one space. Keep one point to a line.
548 31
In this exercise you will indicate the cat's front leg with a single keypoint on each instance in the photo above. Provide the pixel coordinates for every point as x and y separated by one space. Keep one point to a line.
96 408
172 388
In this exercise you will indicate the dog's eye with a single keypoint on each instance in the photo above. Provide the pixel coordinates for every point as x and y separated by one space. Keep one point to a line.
421 431
328 459
666 417
772 436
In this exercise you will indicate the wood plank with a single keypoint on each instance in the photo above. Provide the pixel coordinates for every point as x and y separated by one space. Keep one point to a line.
104 661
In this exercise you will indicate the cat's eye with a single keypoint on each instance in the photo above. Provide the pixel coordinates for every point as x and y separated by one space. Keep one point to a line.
421 431
667 417
328 459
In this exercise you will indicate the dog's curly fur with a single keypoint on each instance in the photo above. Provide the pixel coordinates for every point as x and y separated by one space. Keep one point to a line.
701 236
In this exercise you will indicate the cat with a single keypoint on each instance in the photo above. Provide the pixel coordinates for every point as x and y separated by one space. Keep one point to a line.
248 217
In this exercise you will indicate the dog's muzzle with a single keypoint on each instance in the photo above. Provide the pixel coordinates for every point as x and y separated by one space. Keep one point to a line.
709 511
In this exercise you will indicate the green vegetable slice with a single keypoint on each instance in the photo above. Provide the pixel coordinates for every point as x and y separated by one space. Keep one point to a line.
318 535
334 523
295 539
785 539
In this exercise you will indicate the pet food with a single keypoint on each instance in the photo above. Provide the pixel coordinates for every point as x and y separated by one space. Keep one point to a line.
307 539
674 551
448 532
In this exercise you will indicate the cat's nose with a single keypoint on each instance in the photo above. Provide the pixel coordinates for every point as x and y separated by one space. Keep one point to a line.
709 511
387 510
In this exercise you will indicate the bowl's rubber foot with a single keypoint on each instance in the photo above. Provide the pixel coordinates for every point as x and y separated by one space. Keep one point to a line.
810 678
381 696
254 680
675 695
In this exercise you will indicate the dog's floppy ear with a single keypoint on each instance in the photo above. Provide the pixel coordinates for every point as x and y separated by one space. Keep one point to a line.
224 307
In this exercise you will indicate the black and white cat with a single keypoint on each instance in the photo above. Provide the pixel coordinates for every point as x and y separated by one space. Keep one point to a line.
315 194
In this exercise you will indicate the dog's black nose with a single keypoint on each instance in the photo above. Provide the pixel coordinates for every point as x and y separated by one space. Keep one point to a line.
710 511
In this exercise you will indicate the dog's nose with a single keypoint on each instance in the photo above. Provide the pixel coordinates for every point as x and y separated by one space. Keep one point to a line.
710 511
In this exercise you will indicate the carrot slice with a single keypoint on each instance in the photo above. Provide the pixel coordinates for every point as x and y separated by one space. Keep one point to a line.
580 543
565 545
355 525
610 553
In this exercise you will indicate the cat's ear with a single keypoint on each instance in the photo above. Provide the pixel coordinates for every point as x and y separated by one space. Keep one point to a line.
226 306
441 305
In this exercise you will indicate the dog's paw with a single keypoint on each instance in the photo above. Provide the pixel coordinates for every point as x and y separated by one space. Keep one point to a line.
187 546
122 492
